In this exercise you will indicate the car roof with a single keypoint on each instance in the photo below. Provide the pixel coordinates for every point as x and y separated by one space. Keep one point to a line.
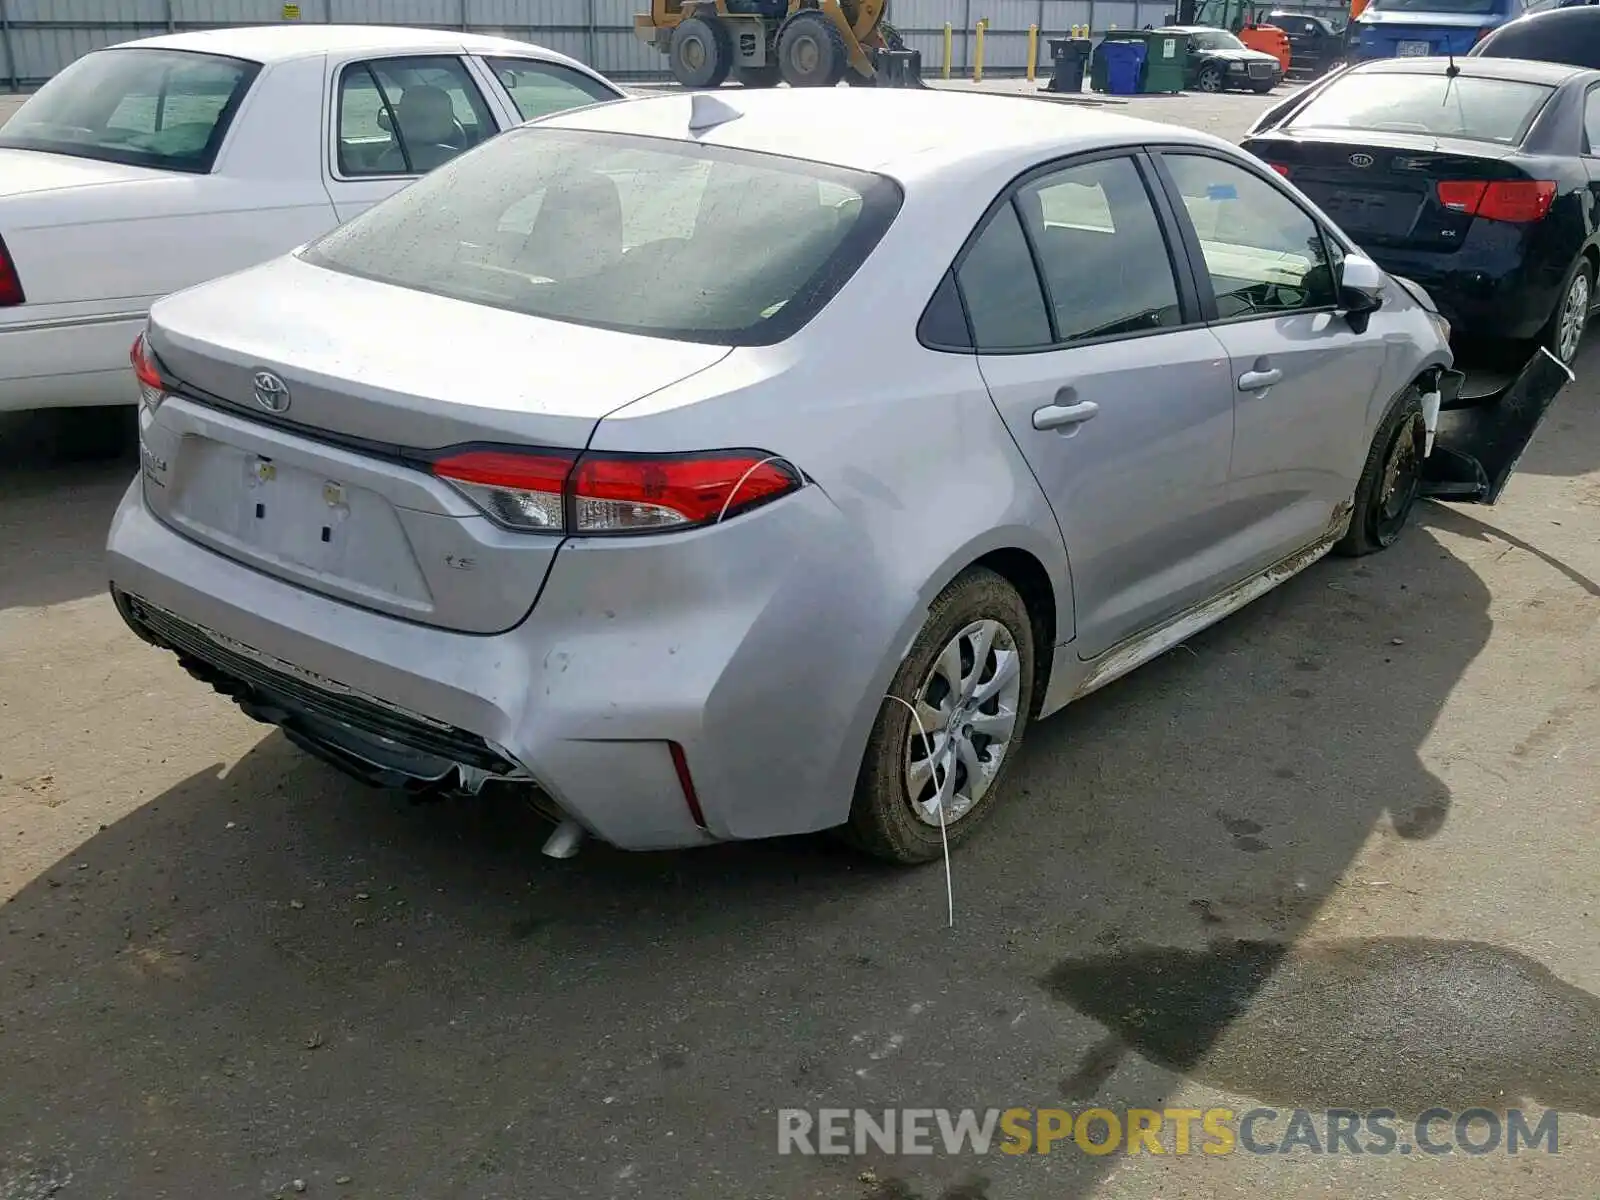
900 132
278 43
1188 29
1519 70
1563 35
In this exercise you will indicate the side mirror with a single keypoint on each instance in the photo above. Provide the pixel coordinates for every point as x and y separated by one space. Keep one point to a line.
1361 287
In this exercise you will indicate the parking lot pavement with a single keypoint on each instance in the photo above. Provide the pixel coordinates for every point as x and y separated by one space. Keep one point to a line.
1337 851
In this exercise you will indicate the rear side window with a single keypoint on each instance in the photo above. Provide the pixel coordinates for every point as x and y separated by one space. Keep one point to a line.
1485 110
1473 8
168 109
1004 302
540 88
645 235
406 116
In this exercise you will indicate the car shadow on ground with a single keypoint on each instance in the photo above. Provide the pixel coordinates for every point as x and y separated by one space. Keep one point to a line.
268 973
61 476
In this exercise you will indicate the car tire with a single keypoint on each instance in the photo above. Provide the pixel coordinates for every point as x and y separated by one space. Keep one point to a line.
1391 479
1561 336
764 76
811 50
978 612
701 53
1211 79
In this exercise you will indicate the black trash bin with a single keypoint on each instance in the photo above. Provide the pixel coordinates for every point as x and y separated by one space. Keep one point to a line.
1068 59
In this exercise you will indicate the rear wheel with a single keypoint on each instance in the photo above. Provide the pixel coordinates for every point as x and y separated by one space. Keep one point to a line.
1210 79
701 53
764 76
811 50
969 677
1390 481
1564 334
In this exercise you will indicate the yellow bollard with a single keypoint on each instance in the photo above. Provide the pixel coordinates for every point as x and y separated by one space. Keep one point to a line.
1033 51
977 52
947 49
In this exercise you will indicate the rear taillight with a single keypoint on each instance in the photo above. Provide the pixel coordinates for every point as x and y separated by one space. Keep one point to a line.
148 372
546 491
10 282
1280 169
1498 200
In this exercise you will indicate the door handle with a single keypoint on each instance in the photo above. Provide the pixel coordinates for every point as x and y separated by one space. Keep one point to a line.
1061 416
1255 381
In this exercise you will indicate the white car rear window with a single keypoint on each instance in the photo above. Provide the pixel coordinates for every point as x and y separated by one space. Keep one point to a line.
647 235
148 108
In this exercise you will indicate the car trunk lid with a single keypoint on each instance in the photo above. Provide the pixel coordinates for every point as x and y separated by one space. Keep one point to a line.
307 406
1382 188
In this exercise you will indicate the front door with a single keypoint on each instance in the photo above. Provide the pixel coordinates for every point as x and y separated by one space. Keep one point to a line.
1117 396
1304 379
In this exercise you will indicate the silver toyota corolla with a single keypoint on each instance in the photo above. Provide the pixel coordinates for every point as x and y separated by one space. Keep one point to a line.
727 467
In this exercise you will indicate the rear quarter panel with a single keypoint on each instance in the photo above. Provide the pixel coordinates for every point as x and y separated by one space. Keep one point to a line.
921 478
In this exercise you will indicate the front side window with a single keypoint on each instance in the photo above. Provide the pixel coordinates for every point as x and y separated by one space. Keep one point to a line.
1101 251
540 88
407 116
1432 104
645 235
1265 255
168 109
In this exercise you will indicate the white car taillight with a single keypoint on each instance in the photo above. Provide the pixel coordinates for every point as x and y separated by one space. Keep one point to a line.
10 282
544 491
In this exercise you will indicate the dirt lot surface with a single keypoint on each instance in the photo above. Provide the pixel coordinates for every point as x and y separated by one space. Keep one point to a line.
1339 851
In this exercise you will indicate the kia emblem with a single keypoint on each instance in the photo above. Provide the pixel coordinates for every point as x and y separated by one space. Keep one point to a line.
1361 160
271 393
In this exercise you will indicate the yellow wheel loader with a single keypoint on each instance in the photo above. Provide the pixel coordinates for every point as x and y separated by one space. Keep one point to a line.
804 43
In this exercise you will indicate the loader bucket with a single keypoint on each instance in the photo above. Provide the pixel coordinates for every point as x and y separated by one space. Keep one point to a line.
897 68
1480 440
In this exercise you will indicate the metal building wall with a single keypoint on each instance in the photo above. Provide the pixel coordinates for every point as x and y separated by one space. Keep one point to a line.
39 37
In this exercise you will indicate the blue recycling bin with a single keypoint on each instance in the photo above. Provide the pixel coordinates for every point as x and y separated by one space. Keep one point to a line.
1124 64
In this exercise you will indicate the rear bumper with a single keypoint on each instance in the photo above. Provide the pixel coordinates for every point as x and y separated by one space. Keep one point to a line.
67 362
725 645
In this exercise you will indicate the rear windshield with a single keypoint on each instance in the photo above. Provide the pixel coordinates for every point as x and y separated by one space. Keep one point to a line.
645 235
1217 39
1456 7
148 108
1484 110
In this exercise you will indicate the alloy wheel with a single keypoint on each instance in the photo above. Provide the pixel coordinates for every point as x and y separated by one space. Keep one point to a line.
1574 316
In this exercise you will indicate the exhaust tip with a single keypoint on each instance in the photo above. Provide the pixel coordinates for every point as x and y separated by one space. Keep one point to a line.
564 841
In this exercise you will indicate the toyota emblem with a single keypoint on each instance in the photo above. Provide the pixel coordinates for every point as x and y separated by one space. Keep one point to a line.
1361 160
271 392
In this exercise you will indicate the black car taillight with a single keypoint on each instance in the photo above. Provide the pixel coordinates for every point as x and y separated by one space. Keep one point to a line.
1519 200
10 281
557 491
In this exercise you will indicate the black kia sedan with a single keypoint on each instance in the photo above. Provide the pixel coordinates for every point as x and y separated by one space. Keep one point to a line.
1470 176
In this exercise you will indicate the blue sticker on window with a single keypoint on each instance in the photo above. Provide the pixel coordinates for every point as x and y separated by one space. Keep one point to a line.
1222 191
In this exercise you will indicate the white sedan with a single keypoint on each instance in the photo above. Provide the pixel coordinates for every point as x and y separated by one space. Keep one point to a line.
154 165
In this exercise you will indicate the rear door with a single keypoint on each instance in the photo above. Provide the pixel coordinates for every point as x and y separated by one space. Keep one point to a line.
534 88
394 119
1092 348
1303 379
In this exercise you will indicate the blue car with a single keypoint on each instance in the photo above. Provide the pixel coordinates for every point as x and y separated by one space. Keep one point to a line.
1403 28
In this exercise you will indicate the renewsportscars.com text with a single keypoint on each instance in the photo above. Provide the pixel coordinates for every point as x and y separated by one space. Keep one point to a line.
1175 1131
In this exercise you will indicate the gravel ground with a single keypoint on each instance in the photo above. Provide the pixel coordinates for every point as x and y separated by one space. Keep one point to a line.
1340 850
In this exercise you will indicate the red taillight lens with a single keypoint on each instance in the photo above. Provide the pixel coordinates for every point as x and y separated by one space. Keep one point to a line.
558 492
1280 169
10 281
522 491
1519 200
617 494
148 372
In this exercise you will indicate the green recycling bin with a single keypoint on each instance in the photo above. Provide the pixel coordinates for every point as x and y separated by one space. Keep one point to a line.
1163 61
